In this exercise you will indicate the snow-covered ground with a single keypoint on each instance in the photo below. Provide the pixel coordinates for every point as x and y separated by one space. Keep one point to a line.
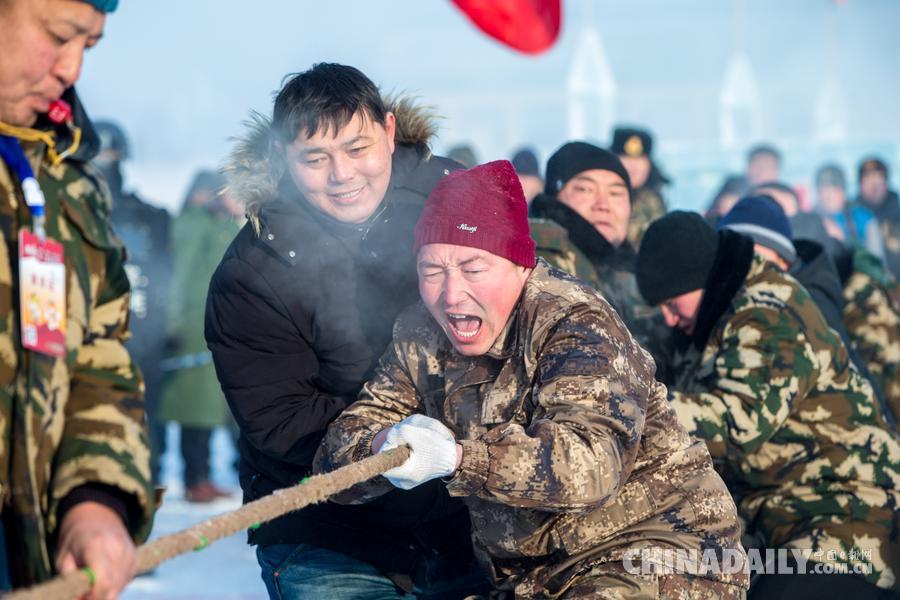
225 570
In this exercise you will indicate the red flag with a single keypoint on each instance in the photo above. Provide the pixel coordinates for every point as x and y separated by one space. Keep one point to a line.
529 26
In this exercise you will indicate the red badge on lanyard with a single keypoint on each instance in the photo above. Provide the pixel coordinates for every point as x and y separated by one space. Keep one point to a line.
60 112
42 294
42 270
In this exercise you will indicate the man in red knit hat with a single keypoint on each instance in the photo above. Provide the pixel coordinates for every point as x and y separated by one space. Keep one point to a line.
521 387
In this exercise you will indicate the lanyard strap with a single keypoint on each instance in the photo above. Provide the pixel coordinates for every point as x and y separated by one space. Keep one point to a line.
60 113
12 154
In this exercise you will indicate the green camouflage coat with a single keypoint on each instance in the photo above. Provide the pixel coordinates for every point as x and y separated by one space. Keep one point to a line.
553 245
79 419
795 429
647 206
571 454
872 318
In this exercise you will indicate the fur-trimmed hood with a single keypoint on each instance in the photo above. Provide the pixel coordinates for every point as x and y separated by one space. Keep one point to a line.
254 169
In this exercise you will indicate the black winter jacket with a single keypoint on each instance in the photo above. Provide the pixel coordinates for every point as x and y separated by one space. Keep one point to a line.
297 317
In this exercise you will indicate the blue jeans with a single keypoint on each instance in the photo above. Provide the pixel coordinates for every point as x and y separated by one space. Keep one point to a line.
298 571
5 581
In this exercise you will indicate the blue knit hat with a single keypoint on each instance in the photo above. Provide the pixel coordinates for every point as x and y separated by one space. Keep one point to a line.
763 219
106 6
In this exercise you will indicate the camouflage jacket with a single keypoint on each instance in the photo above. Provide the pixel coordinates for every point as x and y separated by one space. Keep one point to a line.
76 420
647 206
794 427
888 217
565 240
872 318
553 245
571 454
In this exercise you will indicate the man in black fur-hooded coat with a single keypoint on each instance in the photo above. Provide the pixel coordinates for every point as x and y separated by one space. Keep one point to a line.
299 311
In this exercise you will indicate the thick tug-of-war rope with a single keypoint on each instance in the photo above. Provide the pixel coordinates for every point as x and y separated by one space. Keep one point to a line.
311 490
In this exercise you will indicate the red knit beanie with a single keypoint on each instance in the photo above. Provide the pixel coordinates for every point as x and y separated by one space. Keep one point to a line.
482 207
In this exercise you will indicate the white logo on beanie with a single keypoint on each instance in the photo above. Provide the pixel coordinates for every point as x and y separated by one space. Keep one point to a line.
467 227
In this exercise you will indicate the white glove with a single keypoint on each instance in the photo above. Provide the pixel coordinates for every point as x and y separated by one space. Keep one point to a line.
433 451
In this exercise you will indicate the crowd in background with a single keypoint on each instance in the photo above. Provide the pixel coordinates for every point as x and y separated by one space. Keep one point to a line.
170 261
589 212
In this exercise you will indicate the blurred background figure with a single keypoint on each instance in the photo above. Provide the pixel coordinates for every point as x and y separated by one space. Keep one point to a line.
464 154
876 195
811 257
525 162
634 147
855 224
781 192
145 231
870 309
764 220
208 222
731 190
763 164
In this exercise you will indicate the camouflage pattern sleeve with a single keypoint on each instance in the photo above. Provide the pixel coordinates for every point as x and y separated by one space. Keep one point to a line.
388 398
104 438
553 245
647 205
873 321
578 448
763 364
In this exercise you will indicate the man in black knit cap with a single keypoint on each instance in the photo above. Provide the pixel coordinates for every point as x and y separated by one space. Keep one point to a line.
588 193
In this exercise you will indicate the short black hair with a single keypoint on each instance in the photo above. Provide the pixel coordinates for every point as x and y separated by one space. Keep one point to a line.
763 150
324 96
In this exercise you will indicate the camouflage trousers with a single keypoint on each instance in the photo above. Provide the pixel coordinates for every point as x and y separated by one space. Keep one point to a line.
870 554
610 581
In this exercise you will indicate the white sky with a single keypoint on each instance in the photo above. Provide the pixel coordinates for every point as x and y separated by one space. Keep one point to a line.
182 75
